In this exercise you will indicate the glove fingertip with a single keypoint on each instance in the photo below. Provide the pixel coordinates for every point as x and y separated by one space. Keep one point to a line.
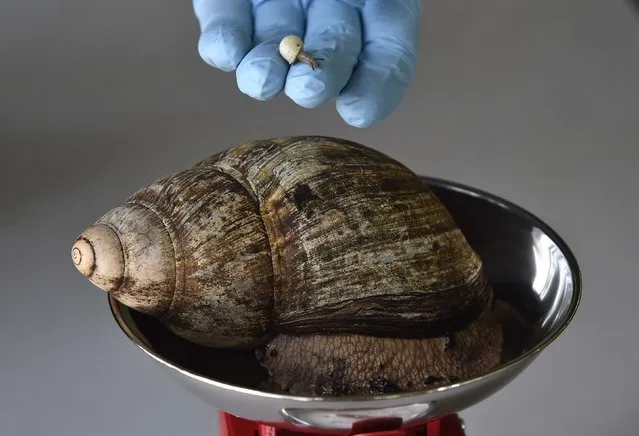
308 91
358 112
261 78
224 47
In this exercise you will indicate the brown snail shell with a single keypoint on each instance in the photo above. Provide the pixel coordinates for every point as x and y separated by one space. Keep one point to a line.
295 242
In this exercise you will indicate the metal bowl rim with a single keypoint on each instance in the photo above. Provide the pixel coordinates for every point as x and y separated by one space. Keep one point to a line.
528 355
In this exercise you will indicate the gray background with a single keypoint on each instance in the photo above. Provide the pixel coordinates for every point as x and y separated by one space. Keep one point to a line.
535 101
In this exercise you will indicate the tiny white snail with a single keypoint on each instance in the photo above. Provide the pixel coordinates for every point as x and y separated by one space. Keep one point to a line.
292 50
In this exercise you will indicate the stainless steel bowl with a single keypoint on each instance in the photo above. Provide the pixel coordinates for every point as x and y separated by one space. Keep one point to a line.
528 264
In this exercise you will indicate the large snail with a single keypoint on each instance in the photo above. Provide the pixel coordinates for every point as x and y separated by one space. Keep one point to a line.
329 258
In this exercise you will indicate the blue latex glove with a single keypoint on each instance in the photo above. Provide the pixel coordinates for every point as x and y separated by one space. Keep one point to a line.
369 50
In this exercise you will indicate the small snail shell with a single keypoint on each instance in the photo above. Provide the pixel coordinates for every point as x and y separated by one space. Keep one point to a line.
290 47
301 243
292 50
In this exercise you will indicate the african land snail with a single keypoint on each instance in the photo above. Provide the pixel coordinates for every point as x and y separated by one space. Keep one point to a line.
332 260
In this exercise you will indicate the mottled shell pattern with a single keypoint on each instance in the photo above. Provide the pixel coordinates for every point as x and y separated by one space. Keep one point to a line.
306 248
290 235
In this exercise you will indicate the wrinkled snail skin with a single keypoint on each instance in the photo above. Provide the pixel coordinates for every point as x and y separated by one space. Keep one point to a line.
363 365
299 243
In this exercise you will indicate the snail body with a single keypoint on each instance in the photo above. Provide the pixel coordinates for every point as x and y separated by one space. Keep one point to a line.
300 243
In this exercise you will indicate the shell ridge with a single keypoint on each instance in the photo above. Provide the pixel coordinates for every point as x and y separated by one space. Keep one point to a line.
177 249
125 255
233 174
464 314
202 202
262 166
237 176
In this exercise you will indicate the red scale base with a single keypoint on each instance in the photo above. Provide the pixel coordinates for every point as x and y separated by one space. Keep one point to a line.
447 426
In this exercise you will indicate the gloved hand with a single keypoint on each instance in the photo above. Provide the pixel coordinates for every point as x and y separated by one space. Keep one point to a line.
369 50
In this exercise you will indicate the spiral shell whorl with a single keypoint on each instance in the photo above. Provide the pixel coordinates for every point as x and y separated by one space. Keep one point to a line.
97 254
129 253
221 270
